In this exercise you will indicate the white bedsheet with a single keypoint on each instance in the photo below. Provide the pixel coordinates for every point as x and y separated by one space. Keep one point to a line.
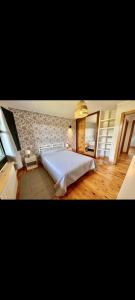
66 167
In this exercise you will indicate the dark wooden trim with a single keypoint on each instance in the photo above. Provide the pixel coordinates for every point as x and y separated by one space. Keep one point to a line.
130 112
125 132
131 133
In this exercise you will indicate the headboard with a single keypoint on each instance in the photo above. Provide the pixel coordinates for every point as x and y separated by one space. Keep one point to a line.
52 146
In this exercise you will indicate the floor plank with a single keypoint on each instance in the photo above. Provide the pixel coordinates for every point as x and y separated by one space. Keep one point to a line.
104 183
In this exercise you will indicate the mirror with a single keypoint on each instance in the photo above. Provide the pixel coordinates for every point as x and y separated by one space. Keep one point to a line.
91 129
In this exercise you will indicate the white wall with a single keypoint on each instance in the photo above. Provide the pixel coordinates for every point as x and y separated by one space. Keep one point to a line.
122 107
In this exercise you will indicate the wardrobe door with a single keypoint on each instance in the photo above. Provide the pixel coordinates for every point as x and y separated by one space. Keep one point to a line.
80 135
91 132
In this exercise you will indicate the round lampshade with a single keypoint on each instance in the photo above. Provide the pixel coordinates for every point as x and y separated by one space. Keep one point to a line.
82 110
27 152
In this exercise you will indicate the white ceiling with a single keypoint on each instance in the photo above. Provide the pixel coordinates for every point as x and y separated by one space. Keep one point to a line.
60 108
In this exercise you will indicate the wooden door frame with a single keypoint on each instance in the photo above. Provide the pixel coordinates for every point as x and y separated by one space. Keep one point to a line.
124 135
130 137
123 115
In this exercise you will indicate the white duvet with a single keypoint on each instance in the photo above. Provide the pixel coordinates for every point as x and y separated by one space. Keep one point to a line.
66 167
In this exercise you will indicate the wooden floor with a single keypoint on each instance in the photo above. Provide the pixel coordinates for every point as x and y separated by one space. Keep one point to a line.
105 183
131 151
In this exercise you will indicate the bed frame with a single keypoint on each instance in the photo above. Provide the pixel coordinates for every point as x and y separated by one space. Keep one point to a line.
51 146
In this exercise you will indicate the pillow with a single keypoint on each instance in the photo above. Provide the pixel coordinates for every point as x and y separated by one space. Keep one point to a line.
44 151
51 150
59 148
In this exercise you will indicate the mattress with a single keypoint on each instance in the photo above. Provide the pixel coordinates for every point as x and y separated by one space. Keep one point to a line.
65 167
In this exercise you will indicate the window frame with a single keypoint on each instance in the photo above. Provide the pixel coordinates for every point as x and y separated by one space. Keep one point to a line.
4 160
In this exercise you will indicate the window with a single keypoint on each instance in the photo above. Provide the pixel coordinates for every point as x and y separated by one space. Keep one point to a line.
3 157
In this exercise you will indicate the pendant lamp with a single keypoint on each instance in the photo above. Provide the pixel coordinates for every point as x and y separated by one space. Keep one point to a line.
81 110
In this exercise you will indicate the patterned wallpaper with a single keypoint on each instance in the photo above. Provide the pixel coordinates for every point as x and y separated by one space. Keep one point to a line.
36 129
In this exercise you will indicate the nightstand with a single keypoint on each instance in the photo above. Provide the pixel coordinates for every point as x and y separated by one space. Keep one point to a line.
31 162
69 149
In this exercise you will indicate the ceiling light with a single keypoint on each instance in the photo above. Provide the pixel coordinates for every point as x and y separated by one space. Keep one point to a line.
81 110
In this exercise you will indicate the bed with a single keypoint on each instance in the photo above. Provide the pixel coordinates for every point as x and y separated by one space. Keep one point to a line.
90 146
64 166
